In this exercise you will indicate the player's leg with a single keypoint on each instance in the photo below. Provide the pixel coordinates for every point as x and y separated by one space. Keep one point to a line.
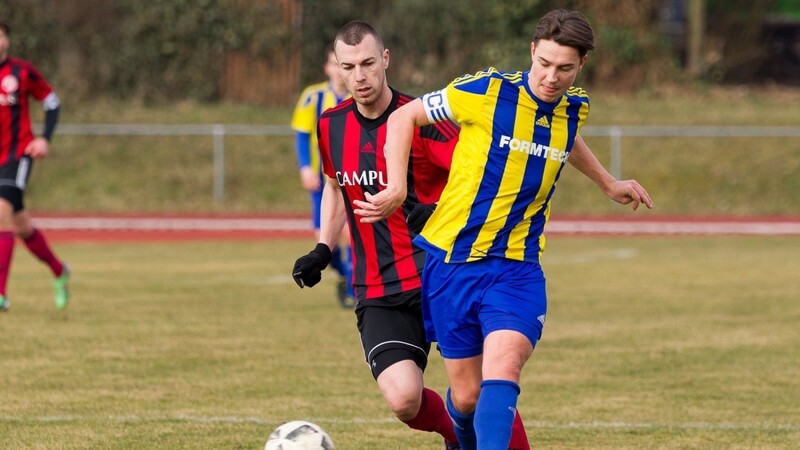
464 376
342 263
449 301
519 437
466 381
504 355
396 351
512 316
402 387
13 177
6 244
34 240
347 263
400 383
37 244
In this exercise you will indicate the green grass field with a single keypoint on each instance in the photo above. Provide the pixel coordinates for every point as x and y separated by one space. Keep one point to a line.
675 342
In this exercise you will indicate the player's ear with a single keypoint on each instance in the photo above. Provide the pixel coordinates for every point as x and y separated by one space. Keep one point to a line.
533 49
386 58
583 61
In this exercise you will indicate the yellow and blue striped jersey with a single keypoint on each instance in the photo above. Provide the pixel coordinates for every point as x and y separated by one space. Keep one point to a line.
511 150
314 99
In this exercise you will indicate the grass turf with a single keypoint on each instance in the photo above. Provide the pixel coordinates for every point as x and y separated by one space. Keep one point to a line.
675 342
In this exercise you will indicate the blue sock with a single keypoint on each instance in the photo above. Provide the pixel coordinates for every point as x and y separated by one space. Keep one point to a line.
495 413
336 260
348 271
462 425
342 263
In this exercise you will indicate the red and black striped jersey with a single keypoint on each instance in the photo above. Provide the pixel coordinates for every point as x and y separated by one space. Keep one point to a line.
384 260
19 80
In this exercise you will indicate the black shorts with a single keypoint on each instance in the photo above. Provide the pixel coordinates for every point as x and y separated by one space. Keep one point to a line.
13 179
391 330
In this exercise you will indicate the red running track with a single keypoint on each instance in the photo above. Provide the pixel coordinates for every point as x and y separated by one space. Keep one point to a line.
92 228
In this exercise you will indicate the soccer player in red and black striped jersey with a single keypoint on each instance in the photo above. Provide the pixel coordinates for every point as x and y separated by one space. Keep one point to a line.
20 80
386 264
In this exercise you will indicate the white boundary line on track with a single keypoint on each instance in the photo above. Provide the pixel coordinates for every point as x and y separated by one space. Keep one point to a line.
171 224
555 226
322 420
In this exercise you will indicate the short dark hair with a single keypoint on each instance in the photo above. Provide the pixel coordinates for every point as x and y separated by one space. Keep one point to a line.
570 28
5 26
352 33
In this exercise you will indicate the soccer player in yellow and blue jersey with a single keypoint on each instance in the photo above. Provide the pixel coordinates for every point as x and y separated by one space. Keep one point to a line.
484 296
313 101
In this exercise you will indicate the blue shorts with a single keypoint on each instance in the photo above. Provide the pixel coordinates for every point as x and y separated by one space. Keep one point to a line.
464 302
316 206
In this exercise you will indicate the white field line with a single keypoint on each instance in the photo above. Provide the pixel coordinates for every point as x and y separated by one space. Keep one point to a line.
672 227
171 224
556 226
687 426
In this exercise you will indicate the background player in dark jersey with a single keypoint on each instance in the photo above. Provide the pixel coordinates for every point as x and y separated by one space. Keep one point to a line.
315 99
386 265
18 148
484 289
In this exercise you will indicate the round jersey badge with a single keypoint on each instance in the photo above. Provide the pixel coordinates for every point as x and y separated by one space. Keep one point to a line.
9 84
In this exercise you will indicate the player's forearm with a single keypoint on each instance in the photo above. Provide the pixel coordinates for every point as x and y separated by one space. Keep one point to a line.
582 158
399 136
332 215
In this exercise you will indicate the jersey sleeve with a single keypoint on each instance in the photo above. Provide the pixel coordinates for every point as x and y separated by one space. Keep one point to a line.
324 148
38 85
460 100
305 112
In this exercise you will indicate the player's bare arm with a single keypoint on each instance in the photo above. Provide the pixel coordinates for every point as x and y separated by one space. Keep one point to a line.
399 135
307 270
332 214
621 191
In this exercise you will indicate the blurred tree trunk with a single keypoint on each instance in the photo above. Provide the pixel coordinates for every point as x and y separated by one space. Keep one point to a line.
696 19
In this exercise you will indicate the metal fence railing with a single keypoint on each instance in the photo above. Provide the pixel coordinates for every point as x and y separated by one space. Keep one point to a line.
218 132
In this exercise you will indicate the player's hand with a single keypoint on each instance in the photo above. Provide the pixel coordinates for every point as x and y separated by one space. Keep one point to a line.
629 191
379 206
308 269
310 179
419 216
37 148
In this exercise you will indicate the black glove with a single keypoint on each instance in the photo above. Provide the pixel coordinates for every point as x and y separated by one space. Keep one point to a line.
419 215
308 269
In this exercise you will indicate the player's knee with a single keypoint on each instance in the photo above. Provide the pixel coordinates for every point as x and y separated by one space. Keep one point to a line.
402 398
400 383
465 398
23 232
403 404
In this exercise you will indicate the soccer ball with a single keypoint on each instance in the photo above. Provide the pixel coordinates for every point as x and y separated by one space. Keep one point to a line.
299 435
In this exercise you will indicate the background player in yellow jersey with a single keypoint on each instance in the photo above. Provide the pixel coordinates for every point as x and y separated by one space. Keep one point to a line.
484 293
313 101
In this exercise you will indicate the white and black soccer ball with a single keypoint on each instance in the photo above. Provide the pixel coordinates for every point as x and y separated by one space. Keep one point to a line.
299 435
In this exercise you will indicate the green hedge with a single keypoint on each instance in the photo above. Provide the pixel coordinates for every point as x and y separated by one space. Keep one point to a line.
163 50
